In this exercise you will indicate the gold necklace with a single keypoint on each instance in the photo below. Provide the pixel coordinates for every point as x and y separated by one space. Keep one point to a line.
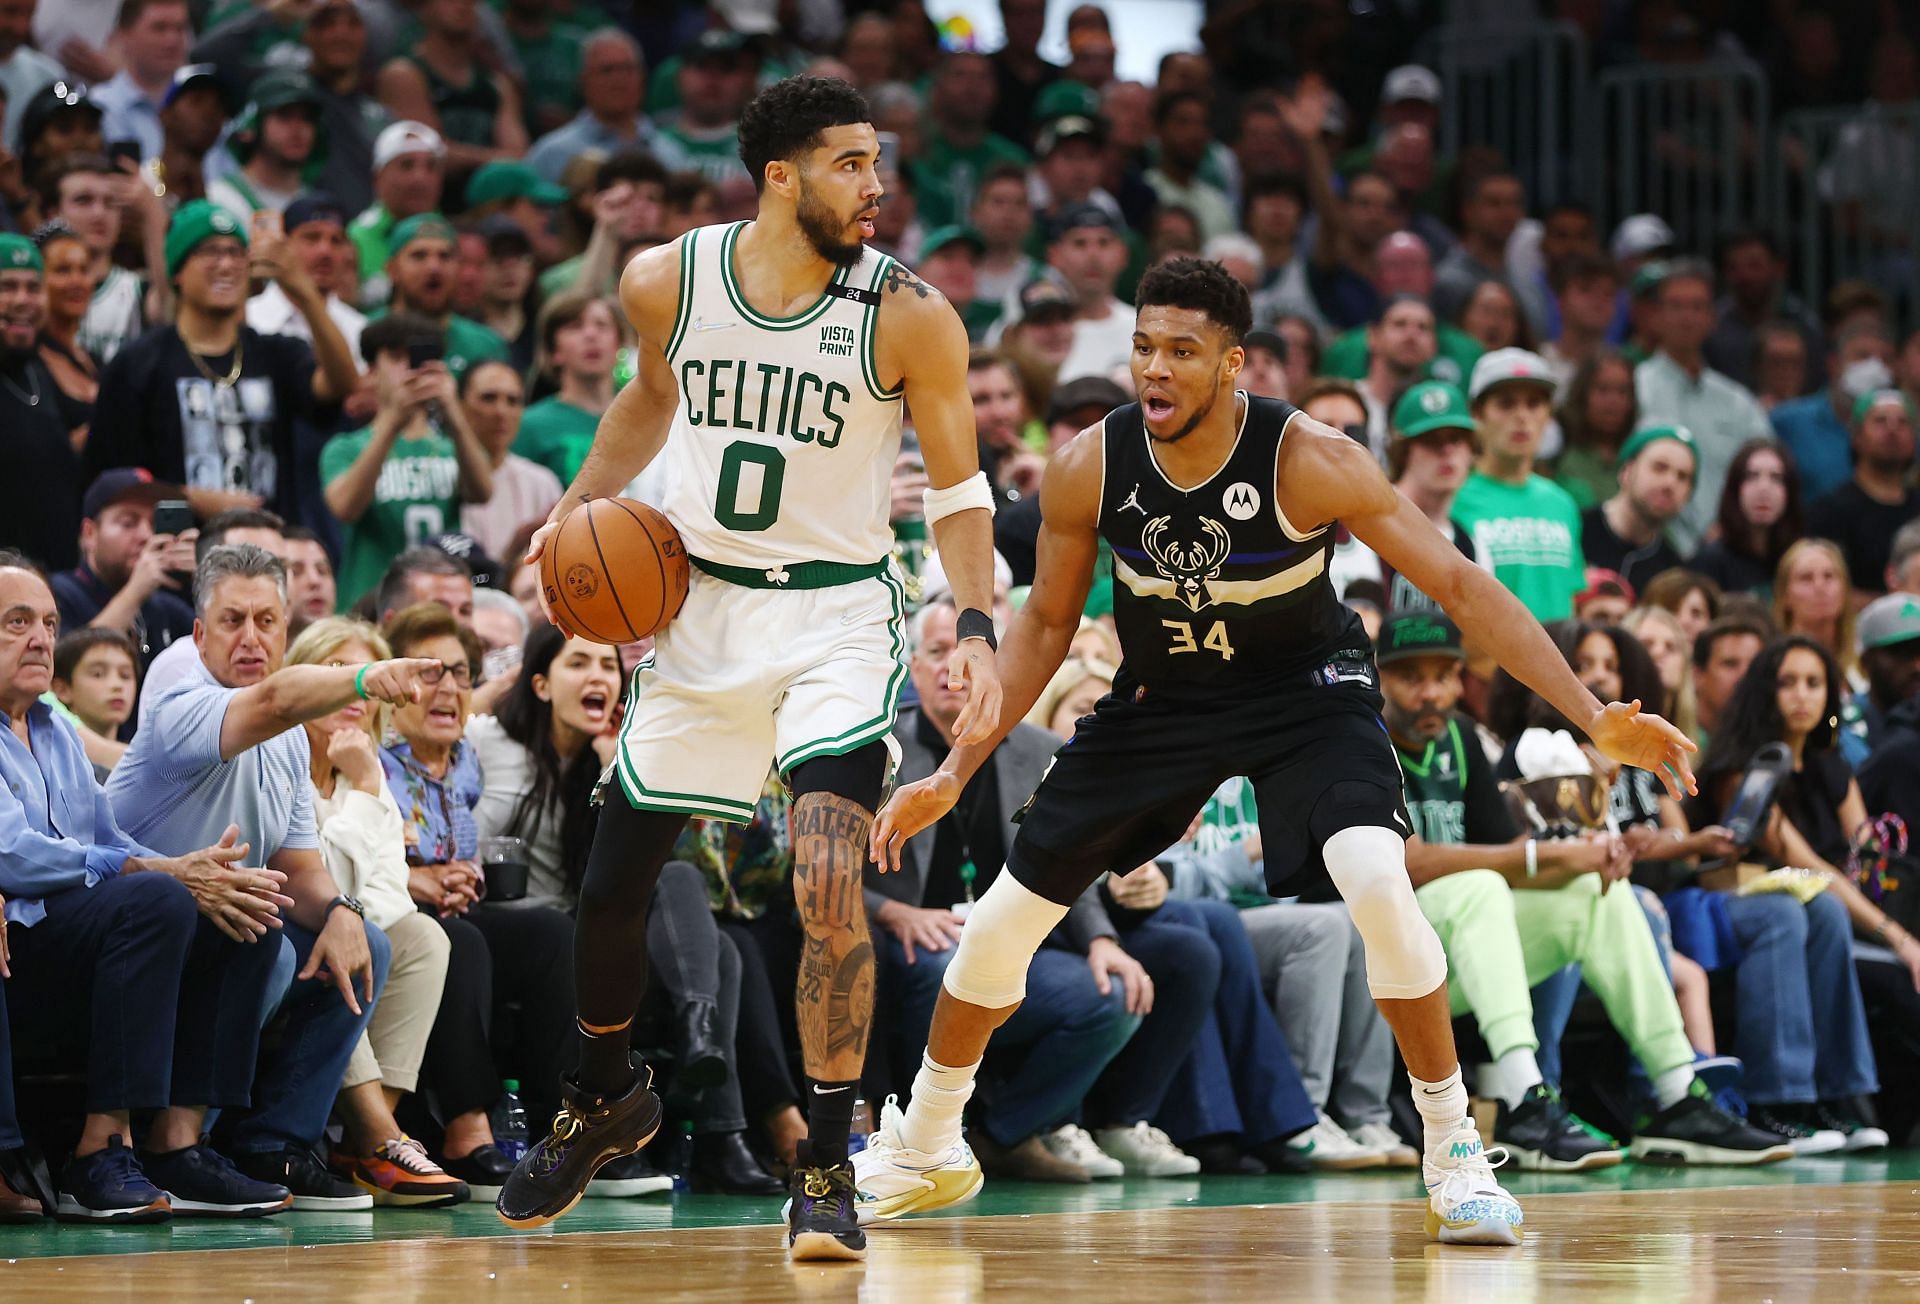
233 373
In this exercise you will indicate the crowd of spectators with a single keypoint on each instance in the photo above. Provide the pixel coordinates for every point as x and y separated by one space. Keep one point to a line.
307 316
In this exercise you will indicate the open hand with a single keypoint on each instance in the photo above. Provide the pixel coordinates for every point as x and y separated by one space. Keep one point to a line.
1626 734
912 808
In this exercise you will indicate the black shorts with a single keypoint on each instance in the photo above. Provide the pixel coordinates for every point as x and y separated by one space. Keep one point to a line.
1135 773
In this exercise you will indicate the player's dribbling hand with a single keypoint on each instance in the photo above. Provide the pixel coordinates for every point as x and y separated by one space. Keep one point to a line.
536 548
975 667
1626 734
915 807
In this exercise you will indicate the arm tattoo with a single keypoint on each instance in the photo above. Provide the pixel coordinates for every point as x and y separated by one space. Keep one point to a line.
833 997
897 278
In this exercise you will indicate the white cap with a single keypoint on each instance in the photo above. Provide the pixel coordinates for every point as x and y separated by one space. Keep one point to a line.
749 17
1504 365
406 138
1640 235
1410 81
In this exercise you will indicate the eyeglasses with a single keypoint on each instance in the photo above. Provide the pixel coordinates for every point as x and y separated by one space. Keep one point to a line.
462 674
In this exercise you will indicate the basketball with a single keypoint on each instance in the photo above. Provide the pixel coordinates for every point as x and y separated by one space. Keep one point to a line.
614 572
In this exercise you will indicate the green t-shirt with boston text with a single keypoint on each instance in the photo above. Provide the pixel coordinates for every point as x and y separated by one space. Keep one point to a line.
1529 537
416 498
557 435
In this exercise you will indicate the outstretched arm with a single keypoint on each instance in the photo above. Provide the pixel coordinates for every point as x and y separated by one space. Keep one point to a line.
1325 476
925 339
1035 645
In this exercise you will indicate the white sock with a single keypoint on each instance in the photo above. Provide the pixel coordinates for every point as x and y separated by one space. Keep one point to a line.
1514 1075
940 1095
1671 1087
1442 1106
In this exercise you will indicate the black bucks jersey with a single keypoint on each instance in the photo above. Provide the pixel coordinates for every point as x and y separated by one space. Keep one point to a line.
1215 592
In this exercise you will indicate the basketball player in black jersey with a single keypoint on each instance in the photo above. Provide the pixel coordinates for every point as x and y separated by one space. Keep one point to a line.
1238 660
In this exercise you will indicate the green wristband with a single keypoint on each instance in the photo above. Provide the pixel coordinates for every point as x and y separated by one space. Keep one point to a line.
360 682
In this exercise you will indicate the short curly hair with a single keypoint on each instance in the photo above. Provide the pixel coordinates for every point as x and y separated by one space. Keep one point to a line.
1203 286
785 120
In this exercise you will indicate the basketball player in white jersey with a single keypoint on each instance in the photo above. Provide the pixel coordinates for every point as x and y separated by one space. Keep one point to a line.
774 357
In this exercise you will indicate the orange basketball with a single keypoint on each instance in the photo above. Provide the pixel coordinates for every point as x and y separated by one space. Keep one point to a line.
614 572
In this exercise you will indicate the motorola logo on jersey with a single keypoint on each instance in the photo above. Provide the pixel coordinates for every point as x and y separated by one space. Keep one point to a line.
1189 564
764 397
1241 501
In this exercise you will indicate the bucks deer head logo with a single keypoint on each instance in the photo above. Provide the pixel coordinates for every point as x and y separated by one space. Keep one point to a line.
1189 565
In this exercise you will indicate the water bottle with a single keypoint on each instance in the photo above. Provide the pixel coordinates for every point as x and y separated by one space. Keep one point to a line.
680 1162
510 1123
861 1128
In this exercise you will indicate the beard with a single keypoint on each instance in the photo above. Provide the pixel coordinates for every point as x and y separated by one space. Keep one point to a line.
823 227
1191 424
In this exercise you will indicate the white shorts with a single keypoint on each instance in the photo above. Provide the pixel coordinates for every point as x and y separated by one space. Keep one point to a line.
747 678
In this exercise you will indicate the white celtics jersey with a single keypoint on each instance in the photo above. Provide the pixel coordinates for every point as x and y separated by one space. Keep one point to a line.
783 445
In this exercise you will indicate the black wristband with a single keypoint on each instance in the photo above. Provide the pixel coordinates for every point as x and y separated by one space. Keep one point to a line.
975 623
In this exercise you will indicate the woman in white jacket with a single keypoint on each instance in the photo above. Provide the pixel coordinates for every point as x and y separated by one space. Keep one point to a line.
363 844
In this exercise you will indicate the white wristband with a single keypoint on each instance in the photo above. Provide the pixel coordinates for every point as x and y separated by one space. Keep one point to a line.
1533 858
971 493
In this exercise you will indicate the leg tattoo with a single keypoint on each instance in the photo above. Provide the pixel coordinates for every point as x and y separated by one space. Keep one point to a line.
834 996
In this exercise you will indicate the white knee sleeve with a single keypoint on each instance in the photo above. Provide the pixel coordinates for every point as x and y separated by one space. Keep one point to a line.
1004 929
1369 867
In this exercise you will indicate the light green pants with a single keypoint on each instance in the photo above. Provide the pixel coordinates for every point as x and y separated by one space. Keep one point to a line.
1500 942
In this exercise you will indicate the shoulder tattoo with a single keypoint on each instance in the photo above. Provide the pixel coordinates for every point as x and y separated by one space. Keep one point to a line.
897 278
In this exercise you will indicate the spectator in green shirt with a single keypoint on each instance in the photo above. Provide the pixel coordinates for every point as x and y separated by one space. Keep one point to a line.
409 164
421 270
950 262
579 341
959 151
400 481
1525 528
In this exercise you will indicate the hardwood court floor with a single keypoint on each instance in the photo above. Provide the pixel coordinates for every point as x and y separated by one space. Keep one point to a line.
1783 1242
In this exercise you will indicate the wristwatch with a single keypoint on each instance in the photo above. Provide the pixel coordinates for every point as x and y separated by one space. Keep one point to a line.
351 903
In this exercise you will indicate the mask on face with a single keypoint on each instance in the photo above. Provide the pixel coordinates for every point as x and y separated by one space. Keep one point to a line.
1864 376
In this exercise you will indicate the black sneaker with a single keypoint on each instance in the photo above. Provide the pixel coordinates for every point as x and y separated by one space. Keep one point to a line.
626 1177
587 1132
1845 1117
1221 1156
484 1169
1542 1134
200 1182
108 1186
1785 1123
1695 1130
315 1190
821 1223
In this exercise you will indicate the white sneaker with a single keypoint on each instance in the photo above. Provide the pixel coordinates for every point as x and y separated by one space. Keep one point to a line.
1145 1151
1822 1141
1073 1144
1382 1139
1465 1203
1326 1145
891 1180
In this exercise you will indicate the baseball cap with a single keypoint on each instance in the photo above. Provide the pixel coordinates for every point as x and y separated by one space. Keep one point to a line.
487 573
187 77
1894 618
942 236
501 229
1073 126
1647 279
16 251
1874 398
1410 81
421 226
1429 406
195 224
1640 235
1083 214
54 100
1268 340
1603 583
1639 439
1086 392
716 43
1065 99
1045 297
121 485
314 206
1405 634
1506 366
511 179
281 88
406 138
